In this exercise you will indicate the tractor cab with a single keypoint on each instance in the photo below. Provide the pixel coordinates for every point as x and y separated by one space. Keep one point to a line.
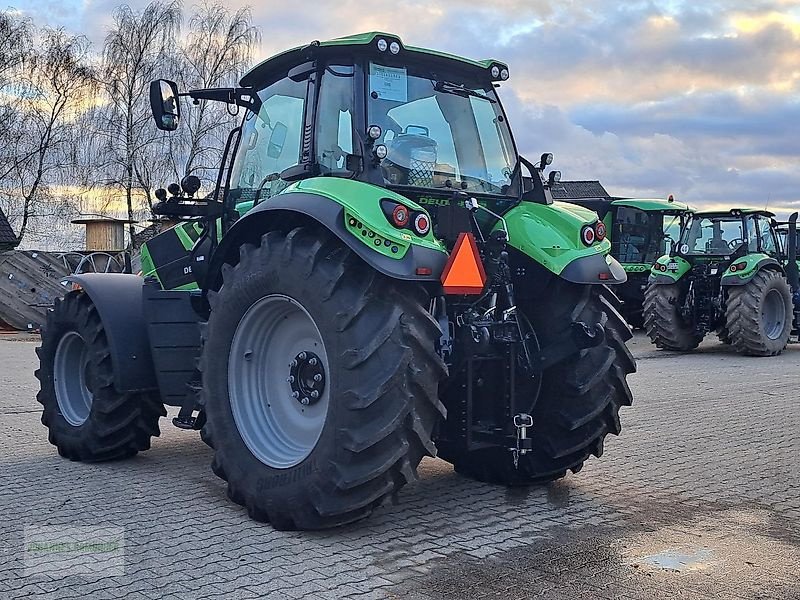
426 126
721 237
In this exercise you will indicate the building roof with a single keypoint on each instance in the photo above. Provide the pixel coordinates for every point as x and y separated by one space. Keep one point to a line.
8 239
574 190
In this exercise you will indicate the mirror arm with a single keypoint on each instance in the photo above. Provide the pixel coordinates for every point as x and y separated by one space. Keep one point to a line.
244 97
541 190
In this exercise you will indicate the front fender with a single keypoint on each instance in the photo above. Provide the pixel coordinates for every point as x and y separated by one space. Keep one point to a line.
550 235
118 300
753 264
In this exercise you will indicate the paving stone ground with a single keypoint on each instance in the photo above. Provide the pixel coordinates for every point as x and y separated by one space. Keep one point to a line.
698 498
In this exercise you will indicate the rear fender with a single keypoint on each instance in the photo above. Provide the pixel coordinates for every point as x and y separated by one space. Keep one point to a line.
668 269
551 236
335 204
118 300
753 264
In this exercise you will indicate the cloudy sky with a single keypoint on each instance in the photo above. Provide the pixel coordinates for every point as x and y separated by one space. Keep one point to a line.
697 99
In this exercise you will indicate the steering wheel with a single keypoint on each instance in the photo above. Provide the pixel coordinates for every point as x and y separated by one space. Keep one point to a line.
735 243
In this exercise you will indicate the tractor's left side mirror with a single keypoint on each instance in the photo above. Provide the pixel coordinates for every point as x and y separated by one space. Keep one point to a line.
164 104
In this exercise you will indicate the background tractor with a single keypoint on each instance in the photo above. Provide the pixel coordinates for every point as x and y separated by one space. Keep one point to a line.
371 282
726 273
640 230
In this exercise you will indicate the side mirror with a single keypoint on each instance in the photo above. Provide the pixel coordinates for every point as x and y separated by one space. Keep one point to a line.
164 104
276 140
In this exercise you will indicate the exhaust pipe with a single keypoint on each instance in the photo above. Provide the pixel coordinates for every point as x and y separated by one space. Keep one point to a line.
791 266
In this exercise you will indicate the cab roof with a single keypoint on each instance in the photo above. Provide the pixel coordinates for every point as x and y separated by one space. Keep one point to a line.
366 44
734 212
653 204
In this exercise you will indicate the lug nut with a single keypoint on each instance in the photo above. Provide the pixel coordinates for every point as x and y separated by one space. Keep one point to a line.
305 401
318 377
293 364
290 379
302 356
295 394
312 361
315 394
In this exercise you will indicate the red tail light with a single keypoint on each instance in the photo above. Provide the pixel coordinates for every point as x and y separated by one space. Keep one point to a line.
400 216
588 235
600 231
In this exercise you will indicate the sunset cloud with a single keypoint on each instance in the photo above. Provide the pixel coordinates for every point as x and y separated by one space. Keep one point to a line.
652 98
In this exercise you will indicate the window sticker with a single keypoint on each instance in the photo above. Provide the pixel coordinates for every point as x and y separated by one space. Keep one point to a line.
389 83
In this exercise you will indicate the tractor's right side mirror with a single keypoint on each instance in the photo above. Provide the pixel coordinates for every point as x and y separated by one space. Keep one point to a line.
164 104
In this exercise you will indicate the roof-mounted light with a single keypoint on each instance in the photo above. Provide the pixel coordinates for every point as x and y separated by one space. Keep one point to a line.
394 48
504 74
382 44
374 132
495 72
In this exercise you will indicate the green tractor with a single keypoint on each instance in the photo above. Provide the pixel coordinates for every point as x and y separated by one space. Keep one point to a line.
370 283
726 273
639 230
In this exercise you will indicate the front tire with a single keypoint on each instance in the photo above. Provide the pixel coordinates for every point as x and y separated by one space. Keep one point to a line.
663 322
88 420
759 314
376 408
580 397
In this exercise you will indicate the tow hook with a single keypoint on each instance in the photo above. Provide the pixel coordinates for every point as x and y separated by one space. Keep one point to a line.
522 422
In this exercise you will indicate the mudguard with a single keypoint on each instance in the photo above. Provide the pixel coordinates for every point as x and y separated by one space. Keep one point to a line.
118 299
753 264
351 211
551 236
668 269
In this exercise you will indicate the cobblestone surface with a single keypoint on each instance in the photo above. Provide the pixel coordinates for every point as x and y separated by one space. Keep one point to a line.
704 480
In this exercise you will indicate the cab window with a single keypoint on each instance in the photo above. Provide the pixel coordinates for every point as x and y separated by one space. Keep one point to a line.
335 120
271 141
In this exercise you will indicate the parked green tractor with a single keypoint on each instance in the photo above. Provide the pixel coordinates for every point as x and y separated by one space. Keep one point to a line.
727 273
639 230
370 283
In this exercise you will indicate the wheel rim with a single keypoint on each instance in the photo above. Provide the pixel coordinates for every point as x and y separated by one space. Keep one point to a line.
773 314
276 364
70 374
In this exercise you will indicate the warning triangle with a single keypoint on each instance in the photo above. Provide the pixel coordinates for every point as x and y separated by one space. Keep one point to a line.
463 273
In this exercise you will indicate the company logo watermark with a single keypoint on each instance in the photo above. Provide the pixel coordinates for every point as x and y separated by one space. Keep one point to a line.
58 551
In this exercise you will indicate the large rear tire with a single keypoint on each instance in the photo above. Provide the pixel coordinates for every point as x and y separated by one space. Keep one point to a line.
88 420
759 314
663 322
330 461
580 397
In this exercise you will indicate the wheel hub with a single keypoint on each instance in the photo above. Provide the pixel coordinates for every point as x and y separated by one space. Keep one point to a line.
306 378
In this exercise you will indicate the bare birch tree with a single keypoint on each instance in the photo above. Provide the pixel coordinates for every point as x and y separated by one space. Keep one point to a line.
53 90
136 47
217 51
